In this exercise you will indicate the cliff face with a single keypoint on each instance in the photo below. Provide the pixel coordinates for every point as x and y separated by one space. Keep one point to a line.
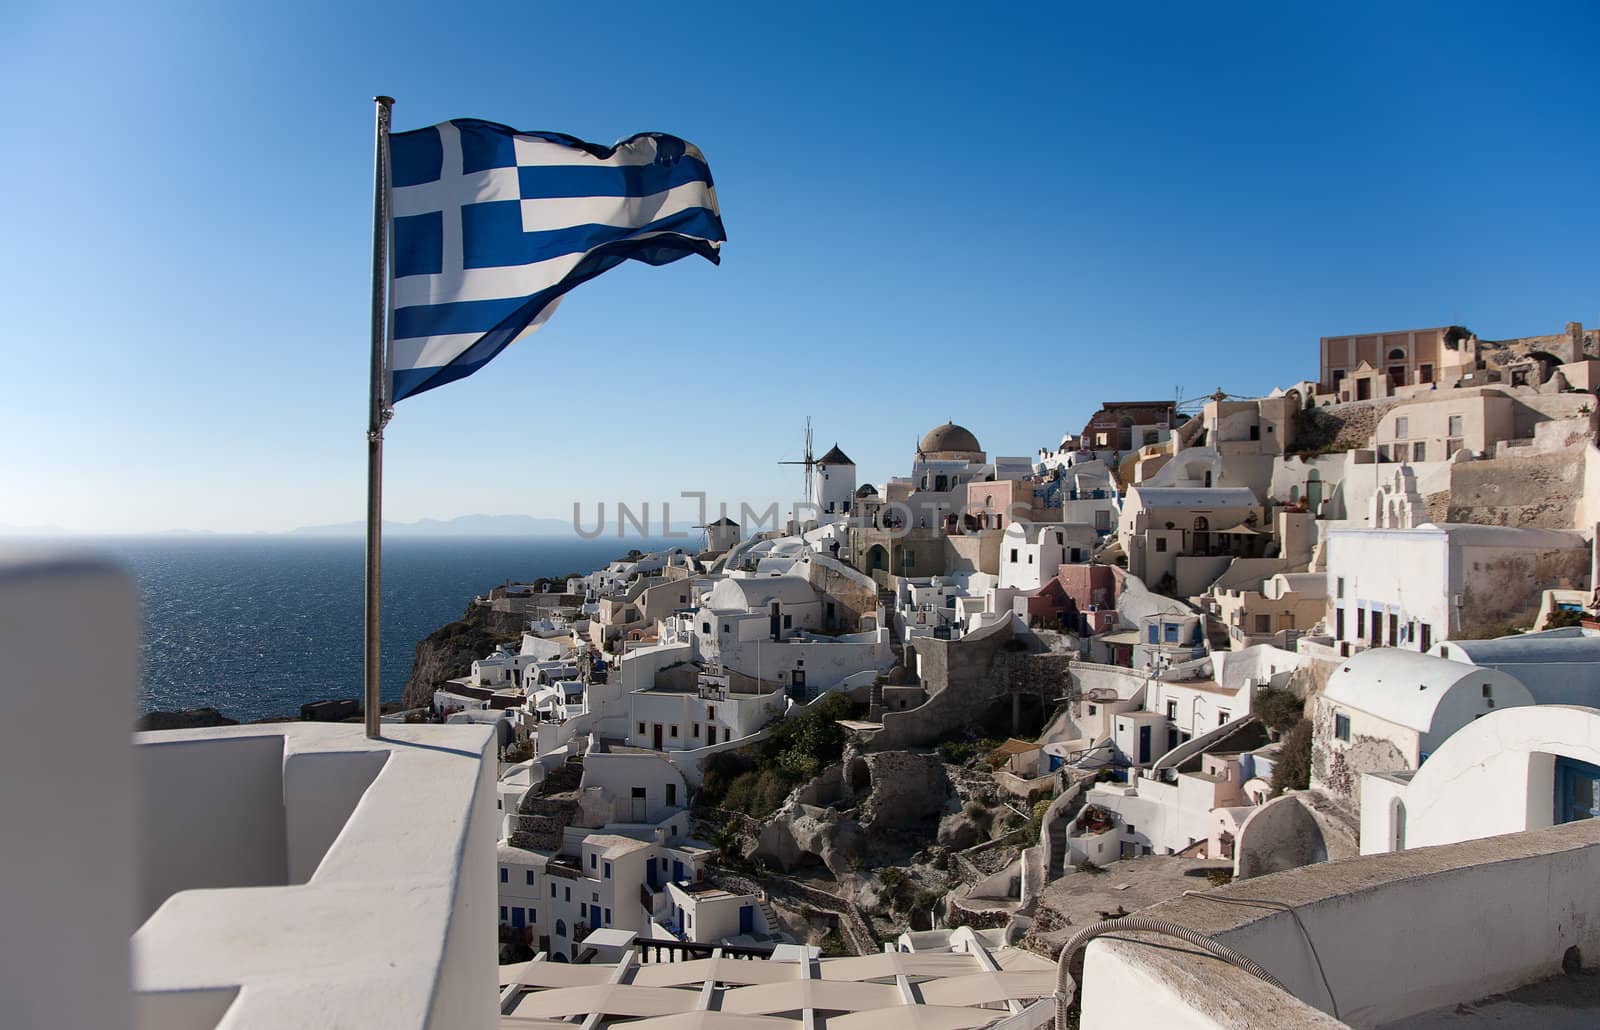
450 650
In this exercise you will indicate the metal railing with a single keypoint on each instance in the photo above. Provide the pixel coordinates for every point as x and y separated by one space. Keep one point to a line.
654 951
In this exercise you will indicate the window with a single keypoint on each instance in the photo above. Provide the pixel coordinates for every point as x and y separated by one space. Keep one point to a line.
1427 636
1424 373
594 860
530 877
1161 545
673 731
1170 632
705 627
1013 556
1222 717
552 890
694 730
505 874
1030 559
1488 691
641 729
1402 428
1397 355
1263 624
1341 727
1129 827
788 621
1455 425
1093 709
1419 451
672 793
608 917
1361 623
711 711
503 916
566 893
1172 710
1255 432
1338 587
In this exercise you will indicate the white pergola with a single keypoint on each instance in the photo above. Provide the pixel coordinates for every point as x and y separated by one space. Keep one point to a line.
955 990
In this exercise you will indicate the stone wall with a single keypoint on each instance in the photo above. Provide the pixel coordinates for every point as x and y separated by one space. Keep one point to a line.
1539 491
854 596
854 926
906 789
975 552
964 677
1512 585
1341 427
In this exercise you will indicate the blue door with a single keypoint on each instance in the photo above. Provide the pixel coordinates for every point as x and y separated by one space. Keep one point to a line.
677 871
517 918
747 919
1577 790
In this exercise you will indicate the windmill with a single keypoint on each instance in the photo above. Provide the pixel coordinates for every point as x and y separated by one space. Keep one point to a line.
809 462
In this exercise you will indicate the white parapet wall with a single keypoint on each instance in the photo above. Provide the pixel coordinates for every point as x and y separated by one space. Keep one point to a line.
290 874
69 670
1374 940
331 879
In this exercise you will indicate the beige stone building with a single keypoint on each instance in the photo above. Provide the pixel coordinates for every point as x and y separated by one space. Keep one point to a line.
1392 364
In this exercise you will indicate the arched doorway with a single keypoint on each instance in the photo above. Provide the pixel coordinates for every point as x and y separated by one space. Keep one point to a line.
1202 535
877 558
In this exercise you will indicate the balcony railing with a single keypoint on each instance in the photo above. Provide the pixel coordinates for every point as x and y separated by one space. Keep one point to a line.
650 950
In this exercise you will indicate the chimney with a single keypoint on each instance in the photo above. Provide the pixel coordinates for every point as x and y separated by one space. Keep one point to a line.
1574 347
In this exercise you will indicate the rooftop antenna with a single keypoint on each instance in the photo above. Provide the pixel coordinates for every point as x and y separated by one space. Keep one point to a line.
809 461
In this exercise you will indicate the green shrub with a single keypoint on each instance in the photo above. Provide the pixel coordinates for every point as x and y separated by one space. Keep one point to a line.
1040 807
1279 710
1562 618
1292 770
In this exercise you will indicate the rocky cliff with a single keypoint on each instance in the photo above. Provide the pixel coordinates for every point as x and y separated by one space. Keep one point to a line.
450 650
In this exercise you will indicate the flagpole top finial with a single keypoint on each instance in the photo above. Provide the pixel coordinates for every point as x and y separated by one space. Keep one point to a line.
385 101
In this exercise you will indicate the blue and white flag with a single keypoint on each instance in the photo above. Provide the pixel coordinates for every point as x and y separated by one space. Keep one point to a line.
492 226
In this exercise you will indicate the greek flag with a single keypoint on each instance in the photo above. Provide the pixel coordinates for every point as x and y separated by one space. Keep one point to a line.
491 227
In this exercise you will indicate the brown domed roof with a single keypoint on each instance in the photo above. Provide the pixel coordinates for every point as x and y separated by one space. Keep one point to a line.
949 437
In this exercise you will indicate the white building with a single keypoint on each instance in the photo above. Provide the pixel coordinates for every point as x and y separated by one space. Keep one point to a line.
1031 553
1189 535
1558 666
1412 588
833 482
603 854
1387 710
1512 770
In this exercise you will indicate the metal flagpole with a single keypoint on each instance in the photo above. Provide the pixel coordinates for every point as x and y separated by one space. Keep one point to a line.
377 416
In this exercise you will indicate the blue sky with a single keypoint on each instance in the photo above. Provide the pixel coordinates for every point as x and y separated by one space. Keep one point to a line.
998 216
